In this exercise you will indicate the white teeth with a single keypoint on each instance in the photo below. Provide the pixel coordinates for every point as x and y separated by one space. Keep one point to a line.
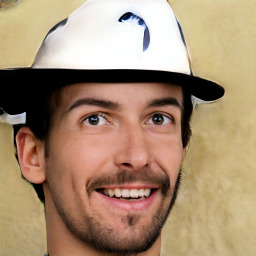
126 193
141 192
147 192
134 193
117 192
111 192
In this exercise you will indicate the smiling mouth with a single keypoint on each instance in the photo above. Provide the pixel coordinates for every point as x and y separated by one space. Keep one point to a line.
127 194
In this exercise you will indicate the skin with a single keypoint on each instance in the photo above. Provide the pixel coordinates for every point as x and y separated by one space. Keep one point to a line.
107 136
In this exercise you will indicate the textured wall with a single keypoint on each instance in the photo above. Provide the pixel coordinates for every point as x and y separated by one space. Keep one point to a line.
215 211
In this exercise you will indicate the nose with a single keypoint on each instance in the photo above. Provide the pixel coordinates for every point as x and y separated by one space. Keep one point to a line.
133 151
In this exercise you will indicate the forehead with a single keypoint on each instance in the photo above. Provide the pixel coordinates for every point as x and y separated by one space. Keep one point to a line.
123 93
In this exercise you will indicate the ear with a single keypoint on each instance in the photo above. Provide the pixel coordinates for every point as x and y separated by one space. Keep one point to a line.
31 156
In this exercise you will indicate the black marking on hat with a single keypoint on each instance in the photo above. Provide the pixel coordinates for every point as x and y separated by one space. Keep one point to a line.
60 24
132 18
184 42
181 33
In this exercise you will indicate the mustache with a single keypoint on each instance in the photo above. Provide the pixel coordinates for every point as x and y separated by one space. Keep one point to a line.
121 177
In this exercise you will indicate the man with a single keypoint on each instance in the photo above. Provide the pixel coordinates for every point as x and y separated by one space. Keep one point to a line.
108 102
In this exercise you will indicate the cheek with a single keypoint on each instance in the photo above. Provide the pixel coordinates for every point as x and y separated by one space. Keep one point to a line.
80 158
71 164
169 156
89 153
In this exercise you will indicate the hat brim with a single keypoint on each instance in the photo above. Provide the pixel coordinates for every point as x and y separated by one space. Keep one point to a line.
21 88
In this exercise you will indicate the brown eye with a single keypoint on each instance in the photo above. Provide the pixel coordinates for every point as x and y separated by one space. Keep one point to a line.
95 119
158 119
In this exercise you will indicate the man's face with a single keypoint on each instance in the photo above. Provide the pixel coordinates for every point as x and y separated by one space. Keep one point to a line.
115 152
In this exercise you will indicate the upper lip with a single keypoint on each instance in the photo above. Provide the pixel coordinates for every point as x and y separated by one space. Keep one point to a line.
129 186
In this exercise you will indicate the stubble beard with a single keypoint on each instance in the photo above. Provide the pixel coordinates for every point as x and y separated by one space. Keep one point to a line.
108 240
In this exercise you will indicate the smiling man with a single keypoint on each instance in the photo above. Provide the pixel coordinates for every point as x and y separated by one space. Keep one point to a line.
114 154
108 103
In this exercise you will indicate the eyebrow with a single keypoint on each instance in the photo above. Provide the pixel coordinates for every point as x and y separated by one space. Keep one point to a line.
115 106
165 102
95 102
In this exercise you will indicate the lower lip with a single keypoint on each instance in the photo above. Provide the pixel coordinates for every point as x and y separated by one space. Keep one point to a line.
131 205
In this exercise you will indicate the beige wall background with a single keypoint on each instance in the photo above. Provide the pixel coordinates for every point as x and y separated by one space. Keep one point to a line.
215 211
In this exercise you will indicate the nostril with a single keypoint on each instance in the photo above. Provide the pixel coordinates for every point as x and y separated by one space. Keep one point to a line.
127 164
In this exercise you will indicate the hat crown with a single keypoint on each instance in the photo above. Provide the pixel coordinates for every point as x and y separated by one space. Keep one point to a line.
132 34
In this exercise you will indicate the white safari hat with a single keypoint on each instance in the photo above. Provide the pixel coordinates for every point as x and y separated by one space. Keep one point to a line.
107 41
